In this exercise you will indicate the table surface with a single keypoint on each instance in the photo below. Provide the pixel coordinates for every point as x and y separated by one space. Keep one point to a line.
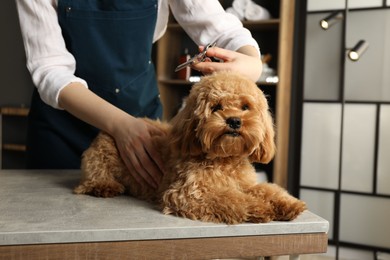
38 207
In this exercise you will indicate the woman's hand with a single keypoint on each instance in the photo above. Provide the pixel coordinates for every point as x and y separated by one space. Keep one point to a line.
245 60
133 140
132 135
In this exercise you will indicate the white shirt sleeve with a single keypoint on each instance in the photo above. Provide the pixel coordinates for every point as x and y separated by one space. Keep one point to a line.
51 66
206 21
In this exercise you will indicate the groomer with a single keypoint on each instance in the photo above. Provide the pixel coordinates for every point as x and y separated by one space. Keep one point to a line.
91 64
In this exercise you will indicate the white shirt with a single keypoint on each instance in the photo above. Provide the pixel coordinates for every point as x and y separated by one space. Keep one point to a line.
52 67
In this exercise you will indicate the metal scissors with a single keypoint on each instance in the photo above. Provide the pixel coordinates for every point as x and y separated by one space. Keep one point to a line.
197 58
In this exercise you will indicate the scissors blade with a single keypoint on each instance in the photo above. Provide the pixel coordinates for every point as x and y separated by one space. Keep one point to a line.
185 64
197 58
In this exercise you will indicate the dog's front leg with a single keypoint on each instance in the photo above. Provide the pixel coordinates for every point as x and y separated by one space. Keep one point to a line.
202 205
283 205
221 206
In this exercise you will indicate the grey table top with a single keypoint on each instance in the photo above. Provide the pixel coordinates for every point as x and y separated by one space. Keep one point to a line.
38 207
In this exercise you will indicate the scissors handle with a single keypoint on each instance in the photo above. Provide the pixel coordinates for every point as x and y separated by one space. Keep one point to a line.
195 59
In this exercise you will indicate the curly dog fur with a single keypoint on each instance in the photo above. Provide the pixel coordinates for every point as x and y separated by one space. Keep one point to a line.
209 148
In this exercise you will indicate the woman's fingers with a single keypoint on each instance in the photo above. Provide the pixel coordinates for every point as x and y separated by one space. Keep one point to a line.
141 167
248 65
139 153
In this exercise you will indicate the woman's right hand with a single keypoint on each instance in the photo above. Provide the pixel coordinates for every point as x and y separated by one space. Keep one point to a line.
133 138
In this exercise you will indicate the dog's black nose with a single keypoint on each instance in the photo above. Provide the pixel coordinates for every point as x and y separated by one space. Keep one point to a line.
234 122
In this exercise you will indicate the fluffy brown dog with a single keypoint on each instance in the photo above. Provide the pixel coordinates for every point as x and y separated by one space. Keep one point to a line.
208 148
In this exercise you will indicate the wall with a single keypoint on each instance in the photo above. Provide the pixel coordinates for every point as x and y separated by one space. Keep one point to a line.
16 85
344 166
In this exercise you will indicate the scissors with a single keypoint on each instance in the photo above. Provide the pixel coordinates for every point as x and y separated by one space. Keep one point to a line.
197 58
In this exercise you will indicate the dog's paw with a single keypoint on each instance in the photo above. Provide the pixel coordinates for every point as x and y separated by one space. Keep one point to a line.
105 190
288 209
260 213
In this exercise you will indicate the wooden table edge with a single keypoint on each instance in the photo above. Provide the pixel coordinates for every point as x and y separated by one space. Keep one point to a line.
191 248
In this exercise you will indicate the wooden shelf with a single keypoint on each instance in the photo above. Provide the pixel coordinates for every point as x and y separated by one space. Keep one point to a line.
181 82
14 111
176 82
9 111
270 24
14 147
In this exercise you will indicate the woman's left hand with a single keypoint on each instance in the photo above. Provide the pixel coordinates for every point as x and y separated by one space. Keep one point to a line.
245 60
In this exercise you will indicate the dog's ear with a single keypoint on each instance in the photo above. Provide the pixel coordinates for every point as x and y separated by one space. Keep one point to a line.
266 149
184 124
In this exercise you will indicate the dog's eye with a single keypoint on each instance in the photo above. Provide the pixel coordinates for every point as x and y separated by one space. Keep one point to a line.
245 107
216 107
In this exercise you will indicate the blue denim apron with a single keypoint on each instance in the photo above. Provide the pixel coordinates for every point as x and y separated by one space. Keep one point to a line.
111 41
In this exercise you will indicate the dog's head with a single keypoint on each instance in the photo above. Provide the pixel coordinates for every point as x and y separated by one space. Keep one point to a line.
225 115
